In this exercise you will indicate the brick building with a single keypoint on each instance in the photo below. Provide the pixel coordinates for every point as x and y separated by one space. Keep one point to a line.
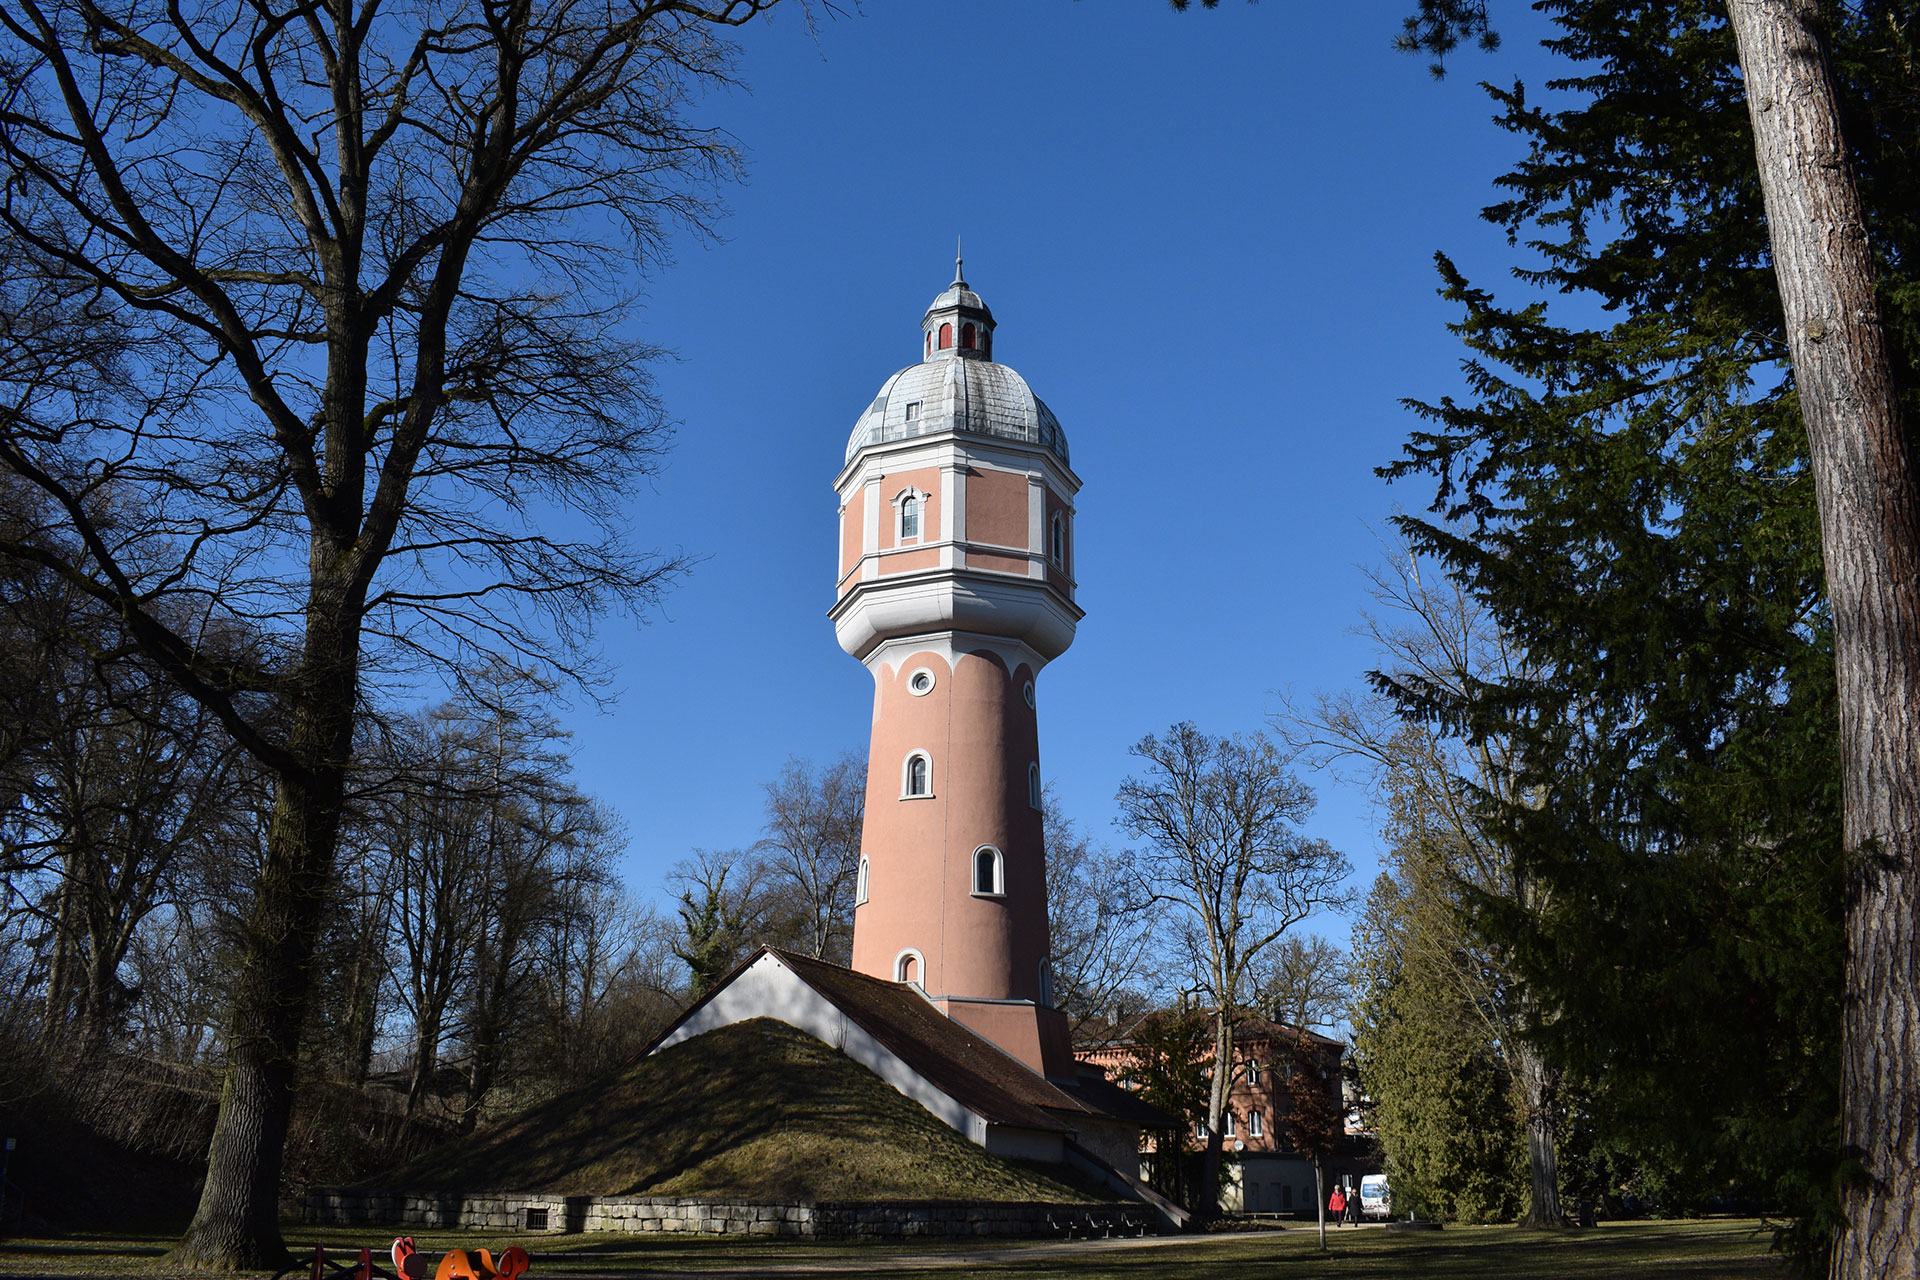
1264 1174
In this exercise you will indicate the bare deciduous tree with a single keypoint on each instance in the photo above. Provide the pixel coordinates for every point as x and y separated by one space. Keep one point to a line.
361 252
724 908
1221 818
1305 983
812 848
1103 924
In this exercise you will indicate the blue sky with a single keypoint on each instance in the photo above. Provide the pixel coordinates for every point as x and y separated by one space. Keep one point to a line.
1207 239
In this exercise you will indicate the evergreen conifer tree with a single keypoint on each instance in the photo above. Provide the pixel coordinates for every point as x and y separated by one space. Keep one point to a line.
1634 502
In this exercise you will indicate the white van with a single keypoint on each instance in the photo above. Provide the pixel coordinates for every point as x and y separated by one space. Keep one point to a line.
1375 1201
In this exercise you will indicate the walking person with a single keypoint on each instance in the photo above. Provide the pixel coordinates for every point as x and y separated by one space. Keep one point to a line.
1350 1211
1337 1204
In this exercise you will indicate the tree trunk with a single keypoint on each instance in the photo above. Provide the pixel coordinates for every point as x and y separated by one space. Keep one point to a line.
1870 537
237 1224
426 1059
1207 1202
1320 1200
57 1010
1538 1084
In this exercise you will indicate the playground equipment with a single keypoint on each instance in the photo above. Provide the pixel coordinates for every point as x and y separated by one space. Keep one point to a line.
410 1264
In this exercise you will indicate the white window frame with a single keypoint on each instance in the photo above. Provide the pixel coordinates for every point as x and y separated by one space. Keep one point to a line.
861 882
1256 1124
906 775
999 889
919 967
1229 1130
919 498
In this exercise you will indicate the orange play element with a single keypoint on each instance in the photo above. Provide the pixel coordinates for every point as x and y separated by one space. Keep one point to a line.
455 1266
408 1264
365 1270
513 1264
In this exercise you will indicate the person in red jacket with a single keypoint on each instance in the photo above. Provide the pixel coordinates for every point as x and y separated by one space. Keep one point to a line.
1337 1204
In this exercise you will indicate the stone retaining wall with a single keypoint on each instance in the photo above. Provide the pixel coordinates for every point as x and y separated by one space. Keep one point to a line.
637 1214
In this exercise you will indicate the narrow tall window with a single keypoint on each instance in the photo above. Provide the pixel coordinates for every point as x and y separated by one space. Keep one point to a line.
988 871
1256 1124
929 344
1253 1073
986 343
916 781
1034 795
910 517
946 336
1057 540
1229 1127
860 884
966 337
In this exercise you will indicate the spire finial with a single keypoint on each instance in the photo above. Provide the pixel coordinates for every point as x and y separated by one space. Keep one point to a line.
958 278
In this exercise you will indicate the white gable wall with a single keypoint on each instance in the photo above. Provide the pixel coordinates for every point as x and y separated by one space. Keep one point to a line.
768 989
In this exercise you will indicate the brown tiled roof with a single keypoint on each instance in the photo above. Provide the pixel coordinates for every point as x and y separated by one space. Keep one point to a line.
1249 1029
1104 1097
960 1062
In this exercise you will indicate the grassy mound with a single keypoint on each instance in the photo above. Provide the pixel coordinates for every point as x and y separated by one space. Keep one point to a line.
755 1111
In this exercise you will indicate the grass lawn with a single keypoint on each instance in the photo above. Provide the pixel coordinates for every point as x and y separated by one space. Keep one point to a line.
1670 1250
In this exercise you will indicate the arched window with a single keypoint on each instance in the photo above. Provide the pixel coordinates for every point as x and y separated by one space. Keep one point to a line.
1057 540
917 778
946 336
909 517
907 966
986 343
989 879
860 883
929 344
1035 795
966 337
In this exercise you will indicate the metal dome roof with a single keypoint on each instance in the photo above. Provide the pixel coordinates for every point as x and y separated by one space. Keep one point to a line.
951 393
958 388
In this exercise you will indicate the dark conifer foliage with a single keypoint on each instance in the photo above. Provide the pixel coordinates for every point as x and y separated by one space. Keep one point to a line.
1631 500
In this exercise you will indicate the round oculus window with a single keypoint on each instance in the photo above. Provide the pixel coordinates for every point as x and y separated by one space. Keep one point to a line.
1027 692
920 683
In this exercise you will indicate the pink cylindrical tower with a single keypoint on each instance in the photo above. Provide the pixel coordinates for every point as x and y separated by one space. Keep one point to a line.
956 589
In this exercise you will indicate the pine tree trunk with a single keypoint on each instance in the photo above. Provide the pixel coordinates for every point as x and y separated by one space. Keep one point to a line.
237 1224
1870 537
1537 1085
